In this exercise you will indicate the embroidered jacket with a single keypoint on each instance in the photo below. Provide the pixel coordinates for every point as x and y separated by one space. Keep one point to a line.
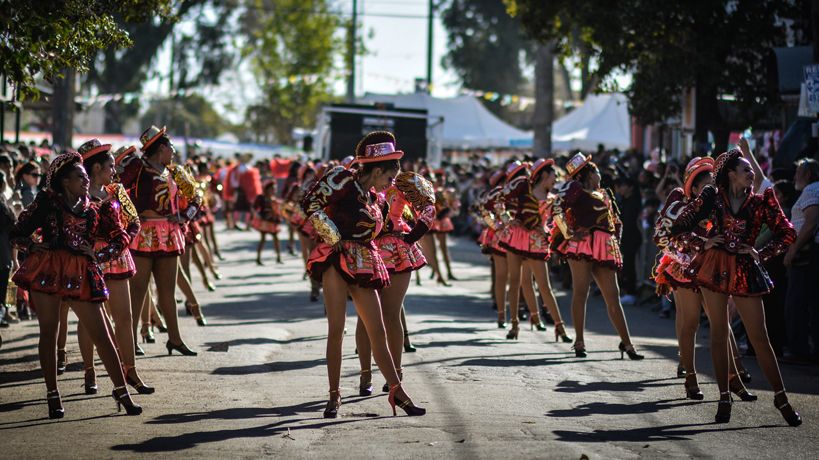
340 209
161 192
410 200
517 197
268 209
62 228
577 212
740 229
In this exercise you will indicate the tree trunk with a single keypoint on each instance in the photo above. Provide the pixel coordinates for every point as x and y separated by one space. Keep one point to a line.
62 106
544 100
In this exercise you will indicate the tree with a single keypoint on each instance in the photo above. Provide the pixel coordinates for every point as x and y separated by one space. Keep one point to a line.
718 47
199 56
190 115
43 38
291 45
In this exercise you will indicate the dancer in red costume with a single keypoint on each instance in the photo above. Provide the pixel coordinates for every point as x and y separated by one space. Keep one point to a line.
526 239
346 215
99 165
446 206
488 240
155 186
267 216
410 210
586 233
669 274
64 267
732 267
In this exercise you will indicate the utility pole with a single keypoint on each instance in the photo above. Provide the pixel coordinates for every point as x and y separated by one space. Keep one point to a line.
351 64
429 45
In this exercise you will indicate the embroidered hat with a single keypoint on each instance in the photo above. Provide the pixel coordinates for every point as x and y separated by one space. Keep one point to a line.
696 166
151 135
91 148
724 158
540 164
576 163
66 158
123 152
347 161
377 146
514 168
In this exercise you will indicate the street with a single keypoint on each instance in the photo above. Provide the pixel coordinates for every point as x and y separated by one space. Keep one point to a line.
259 384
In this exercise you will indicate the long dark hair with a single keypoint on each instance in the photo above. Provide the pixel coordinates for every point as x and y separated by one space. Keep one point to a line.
99 158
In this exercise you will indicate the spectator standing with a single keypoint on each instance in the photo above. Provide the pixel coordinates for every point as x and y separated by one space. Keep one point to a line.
802 260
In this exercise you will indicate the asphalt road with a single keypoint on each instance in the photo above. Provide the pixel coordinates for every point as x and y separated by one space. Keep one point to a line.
258 386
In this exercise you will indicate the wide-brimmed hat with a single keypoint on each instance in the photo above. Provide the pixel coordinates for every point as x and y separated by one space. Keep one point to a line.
377 146
724 158
347 161
123 152
151 135
64 159
540 164
696 166
576 163
91 148
514 167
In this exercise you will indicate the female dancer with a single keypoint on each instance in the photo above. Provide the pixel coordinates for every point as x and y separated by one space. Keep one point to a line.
267 217
154 185
64 267
410 198
446 205
210 204
732 267
526 239
669 274
589 226
346 215
99 165
489 242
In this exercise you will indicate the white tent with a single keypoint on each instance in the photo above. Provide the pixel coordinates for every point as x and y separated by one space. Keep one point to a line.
602 119
467 123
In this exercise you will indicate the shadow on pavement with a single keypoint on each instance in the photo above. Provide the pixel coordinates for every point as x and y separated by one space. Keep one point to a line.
680 432
603 408
269 367
573 386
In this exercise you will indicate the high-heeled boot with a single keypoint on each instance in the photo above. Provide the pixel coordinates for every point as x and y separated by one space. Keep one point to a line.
629 350
55 404
736 387
513 333
90 381
724 408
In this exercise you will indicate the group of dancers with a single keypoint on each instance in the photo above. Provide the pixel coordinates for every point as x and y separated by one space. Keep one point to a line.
706 231
94 238
106 225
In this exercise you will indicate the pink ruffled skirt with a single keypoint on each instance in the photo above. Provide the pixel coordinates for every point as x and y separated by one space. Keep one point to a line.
158 238
359 263
531 244
599 247
398 255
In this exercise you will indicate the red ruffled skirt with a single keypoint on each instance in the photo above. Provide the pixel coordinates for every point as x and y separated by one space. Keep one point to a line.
598 247
398 255
264 226
735 274
63 274
158 238
531 244
120 268
358 263
669 274
442 225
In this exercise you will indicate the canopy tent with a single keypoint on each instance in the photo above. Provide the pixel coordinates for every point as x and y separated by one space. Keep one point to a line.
602 119
467 123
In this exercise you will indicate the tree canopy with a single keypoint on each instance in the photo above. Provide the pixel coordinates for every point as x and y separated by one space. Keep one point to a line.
190 115
291 45
718 47
43 38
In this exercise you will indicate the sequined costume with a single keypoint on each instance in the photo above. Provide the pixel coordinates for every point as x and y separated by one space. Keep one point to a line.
410 200
122 266
525 233
162 193
676 251
347 219
723 268
586 226
63 269
488 207
267 214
